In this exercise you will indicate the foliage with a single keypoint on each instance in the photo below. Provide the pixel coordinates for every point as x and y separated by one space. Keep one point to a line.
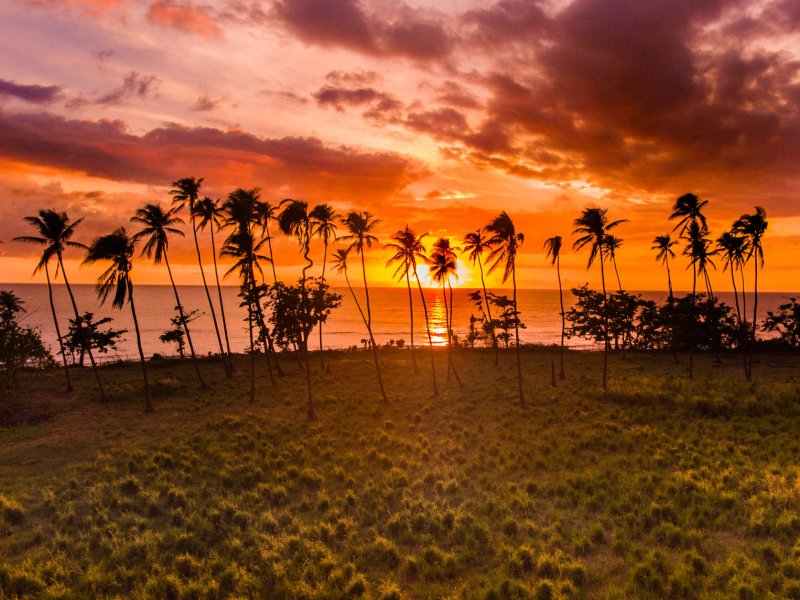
19 346
786 322
296 310
177 334
502 323
84 332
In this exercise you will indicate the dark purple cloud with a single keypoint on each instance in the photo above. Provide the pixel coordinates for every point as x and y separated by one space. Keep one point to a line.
134 86
35 94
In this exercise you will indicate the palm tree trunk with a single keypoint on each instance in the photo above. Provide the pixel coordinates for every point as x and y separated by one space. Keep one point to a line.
562 375
755 316
322 283
670 301
489 315
304 298
744 334
605 319
411 318
225 357
258 316
369 328
516 335
219 293
669 278
184 322
428 330
447 327
691 329
271 259
148 407
88 348
58 329
450 330
616 271
250 312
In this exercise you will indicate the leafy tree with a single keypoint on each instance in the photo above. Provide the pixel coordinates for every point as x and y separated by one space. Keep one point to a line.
85 333
507 318
118 248
179 326
158 226
786 322
19 346
294 313
55 233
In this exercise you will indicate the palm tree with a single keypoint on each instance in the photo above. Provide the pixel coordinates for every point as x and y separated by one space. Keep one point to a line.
186 191
296 220
476 243
593 227
665 244
442 266
158 226
404 245
265 214
733 249
442 245
698 249
210 215
55 233
241 245
753 227
553 247
688 209
504 243
118 248
323 217
359 226
613 244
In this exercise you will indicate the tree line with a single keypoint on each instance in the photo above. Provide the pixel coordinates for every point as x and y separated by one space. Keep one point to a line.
281 316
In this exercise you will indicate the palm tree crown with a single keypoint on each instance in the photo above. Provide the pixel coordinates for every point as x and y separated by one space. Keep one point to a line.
407 249
359 225
687 209
186 190
753 227
158 225
55 233
553 247
117 247
208 212
593 227
664 244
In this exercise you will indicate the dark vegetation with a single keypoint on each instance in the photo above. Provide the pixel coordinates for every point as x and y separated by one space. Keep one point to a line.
659 487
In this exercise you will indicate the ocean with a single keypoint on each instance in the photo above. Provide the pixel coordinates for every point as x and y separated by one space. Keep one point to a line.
390 316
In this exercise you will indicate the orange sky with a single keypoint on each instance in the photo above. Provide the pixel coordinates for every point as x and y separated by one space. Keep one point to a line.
435 114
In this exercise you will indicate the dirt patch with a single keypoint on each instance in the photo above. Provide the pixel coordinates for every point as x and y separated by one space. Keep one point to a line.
31 412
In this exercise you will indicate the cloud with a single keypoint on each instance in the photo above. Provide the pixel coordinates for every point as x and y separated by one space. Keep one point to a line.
187 18
204 103
35 94
134 85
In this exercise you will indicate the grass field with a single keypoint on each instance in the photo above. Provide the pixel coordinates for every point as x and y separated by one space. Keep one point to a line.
659 487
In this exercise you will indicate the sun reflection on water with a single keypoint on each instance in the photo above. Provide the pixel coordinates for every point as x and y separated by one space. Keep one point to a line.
438 319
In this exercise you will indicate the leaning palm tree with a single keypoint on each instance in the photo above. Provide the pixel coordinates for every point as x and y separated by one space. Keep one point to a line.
404 245
118 248
158 226
665 244
593 227
265 213
359 226
475 244
504 243
55 233
295 220
209 214
186 191
443 246
613 243
442 267
734 249
553 247
323 218
688 209
753 227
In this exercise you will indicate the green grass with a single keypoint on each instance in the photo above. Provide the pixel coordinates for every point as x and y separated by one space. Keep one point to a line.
658 488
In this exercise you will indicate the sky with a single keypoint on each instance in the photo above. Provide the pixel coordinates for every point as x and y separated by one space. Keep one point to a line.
433 114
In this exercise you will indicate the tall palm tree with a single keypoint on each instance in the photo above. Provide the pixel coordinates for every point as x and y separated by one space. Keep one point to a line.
733 249
323 218
404 246
443 246
295 220
593 227
208 213
158 226
753 227
118 248
613 244
242 246
688 209
359 226
55 233
665 244
442 267
698 249
475 244
187 191
504 243
553 247
266 213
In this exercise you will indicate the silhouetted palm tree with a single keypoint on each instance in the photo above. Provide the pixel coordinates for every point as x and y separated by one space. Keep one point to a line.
733 249
665 244
295 220
187 191
698 249
753 227
118 248
323 218
475 244
442 245
442 266
209 214
158 226
404 245
688 209
553 247
241 245
265 214
55 233
359 226
613 244
593 227
504 243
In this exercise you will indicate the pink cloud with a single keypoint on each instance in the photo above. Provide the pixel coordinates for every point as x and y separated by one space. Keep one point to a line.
184 17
